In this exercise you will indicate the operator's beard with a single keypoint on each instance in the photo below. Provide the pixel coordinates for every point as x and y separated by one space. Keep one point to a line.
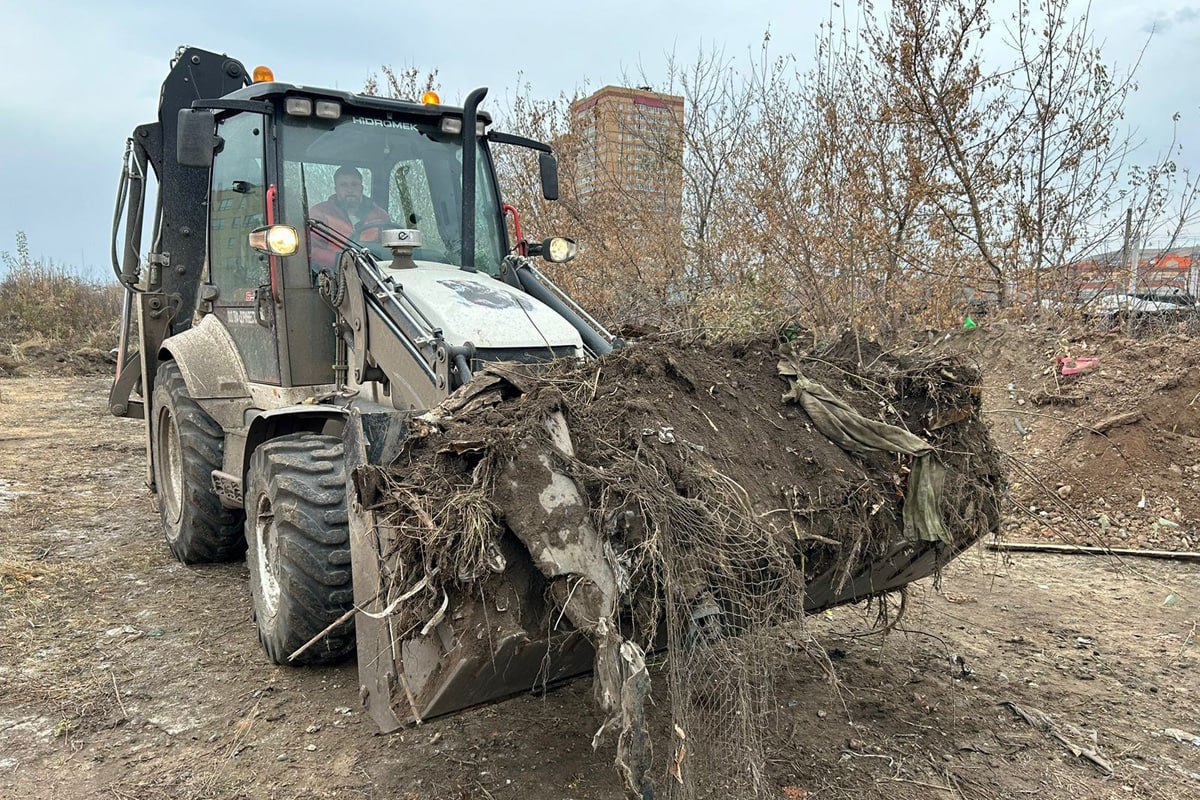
354 207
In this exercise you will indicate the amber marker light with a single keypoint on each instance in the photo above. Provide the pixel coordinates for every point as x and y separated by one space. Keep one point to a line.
431 99
263 74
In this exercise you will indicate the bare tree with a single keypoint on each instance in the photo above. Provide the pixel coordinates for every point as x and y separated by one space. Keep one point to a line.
408 84
930 156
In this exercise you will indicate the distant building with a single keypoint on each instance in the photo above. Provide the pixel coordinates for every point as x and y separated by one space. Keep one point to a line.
1163 272
630 146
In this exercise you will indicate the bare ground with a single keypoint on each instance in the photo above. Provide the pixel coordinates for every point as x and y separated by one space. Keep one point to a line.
124 674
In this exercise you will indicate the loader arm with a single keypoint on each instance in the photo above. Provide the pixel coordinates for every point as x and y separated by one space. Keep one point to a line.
386 335
381 332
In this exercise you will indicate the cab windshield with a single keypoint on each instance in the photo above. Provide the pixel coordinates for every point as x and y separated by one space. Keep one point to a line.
409 175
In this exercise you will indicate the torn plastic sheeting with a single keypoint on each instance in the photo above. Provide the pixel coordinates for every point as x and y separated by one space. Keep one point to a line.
622 664
567 549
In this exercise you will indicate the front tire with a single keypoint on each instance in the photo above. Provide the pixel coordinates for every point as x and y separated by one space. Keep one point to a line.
298 541
187 446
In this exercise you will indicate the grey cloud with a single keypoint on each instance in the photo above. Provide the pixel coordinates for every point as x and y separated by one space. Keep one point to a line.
1162 23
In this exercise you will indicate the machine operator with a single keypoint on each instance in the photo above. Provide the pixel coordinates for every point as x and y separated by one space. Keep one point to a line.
349 212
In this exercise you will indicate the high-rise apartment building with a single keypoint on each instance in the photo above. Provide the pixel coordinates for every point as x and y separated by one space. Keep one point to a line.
630 145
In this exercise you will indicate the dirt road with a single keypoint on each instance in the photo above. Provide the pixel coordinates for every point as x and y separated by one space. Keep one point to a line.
124 674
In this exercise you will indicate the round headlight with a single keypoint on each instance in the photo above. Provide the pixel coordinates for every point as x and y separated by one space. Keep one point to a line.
276 240
559 249
282 240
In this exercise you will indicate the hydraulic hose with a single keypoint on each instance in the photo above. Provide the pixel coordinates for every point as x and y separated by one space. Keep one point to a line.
131 196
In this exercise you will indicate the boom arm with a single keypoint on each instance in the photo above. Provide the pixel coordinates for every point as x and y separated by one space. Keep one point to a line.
162 290
388 335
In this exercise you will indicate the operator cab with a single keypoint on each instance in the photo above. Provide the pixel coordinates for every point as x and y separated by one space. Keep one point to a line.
411 172
408 157
300 175
274 159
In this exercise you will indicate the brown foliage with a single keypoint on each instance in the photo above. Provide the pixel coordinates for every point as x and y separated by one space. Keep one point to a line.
49 314
930 160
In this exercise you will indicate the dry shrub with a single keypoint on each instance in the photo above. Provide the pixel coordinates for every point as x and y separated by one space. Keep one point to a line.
50 313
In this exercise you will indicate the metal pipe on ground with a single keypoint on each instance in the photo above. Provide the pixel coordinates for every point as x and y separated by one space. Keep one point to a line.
1084 550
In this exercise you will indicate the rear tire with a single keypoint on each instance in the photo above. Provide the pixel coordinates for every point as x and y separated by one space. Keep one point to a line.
188 445
298 541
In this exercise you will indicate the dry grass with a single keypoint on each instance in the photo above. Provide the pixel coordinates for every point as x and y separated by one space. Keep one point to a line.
52 644
17 576
49 313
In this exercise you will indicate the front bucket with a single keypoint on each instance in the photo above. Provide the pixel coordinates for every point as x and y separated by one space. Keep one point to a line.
499 640
502 636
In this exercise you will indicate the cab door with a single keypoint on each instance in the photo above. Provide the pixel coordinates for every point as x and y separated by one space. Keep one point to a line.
240 274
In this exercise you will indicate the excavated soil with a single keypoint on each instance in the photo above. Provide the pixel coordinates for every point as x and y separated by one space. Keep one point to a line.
1109 457
697 417
724 506
37 357
128 675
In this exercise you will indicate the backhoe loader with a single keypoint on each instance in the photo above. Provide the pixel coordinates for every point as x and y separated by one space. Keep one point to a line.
272 355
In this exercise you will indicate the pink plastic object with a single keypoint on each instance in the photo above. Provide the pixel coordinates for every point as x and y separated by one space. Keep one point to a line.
1076 366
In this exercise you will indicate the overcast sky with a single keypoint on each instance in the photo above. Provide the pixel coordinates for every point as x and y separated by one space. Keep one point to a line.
77 77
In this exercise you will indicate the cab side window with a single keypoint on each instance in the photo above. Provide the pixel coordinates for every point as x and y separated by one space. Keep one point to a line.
237 206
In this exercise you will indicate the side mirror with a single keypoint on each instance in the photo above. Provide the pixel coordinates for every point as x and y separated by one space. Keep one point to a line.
548 167
196 138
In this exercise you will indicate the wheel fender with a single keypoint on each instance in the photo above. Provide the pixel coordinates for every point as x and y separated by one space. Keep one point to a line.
209 361
267 425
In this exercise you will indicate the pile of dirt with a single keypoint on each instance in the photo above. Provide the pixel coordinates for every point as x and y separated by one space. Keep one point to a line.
714 508
39 357
691 411
1107 454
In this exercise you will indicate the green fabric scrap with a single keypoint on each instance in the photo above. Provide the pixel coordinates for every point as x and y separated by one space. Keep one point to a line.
856 434
922 522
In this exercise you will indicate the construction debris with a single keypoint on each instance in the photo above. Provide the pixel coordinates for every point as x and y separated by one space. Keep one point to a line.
1183 737
692 500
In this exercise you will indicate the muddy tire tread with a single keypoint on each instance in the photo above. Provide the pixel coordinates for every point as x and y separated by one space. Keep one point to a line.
207 531
304 475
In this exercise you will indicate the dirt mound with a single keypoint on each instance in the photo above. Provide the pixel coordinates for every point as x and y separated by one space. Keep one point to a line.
695 411
711 494
39 357
1107 454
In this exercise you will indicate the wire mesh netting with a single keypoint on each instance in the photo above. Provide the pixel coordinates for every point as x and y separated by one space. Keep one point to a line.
677 508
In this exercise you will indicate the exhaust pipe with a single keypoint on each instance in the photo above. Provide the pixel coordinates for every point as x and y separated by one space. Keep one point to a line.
470 119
